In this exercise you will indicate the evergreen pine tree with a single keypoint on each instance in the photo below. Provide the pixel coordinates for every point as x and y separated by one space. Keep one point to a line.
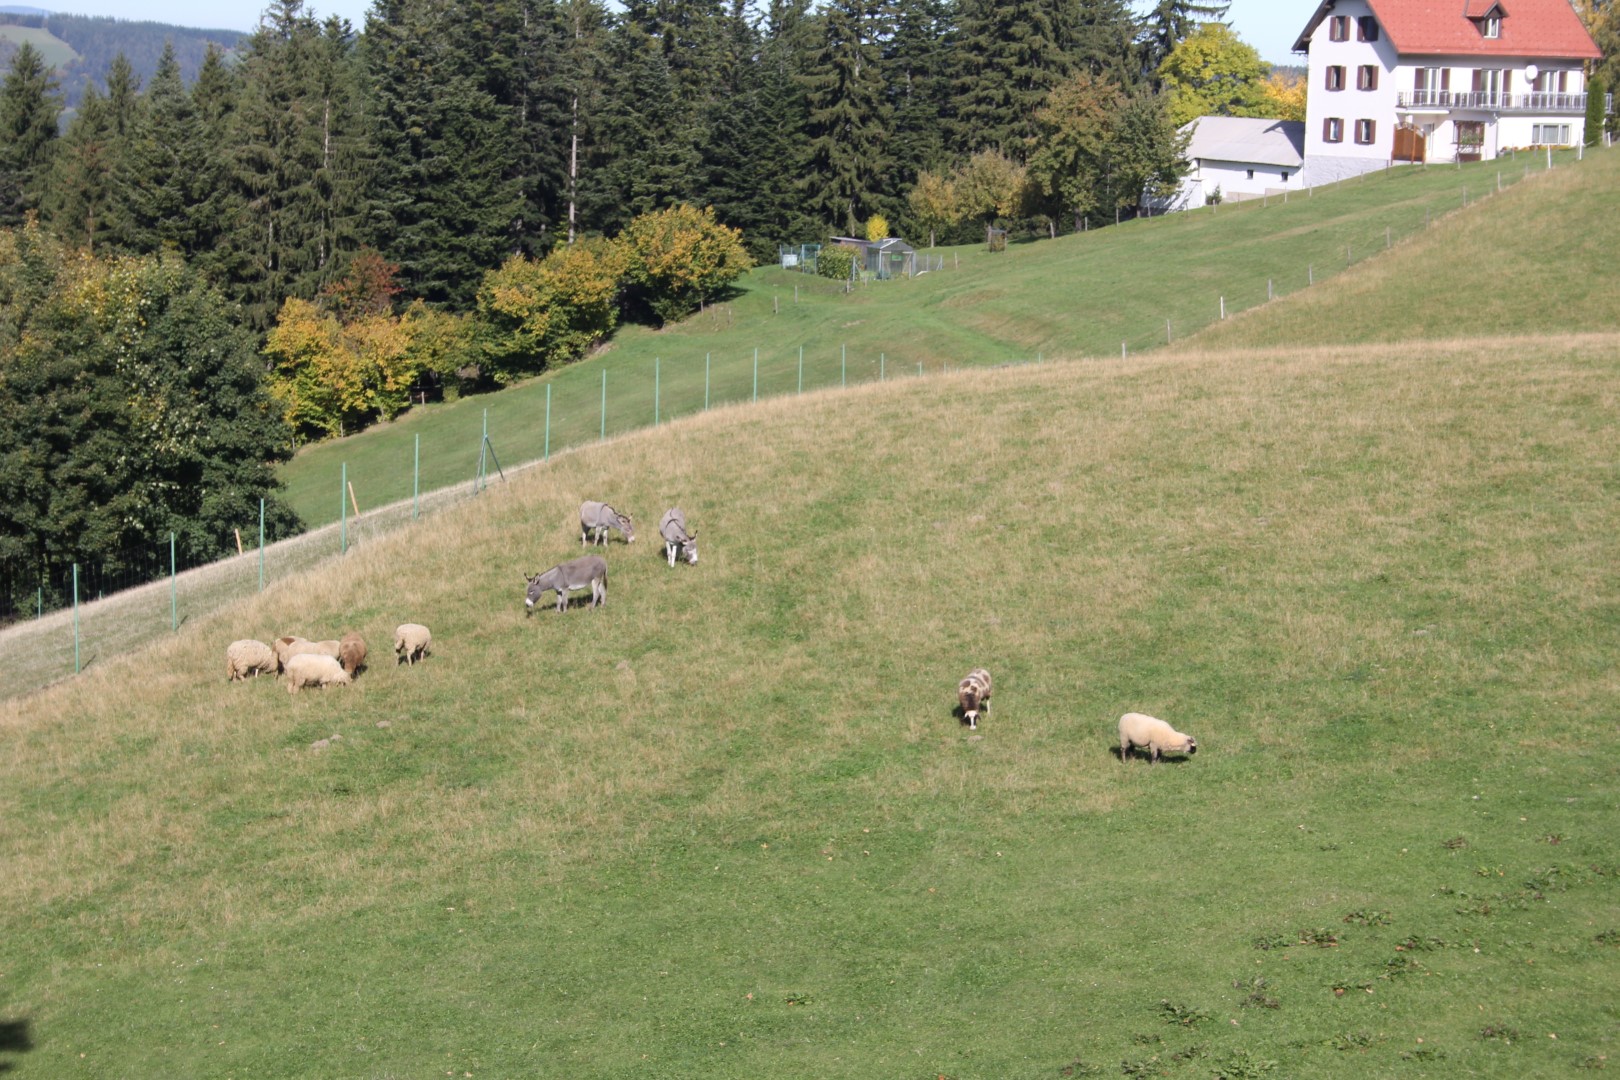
446 205
1103 42
584 26
916 65
849 116
29 107
76 198
1009 55
213 200
152 177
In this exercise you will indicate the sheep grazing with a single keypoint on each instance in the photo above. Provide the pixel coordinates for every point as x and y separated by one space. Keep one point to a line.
1137 729
352 652
248 657
314 669
283 649
973 693
411 642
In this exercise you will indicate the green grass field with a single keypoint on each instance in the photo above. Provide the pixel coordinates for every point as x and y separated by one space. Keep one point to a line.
728 826
53 50
1075 297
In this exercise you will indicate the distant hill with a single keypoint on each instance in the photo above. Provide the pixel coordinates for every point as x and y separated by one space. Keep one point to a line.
82 47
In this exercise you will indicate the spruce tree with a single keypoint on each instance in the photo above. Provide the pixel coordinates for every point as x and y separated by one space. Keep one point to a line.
445 203
213 201
849 116
29 107
1009 56
916 66
152 178
76 198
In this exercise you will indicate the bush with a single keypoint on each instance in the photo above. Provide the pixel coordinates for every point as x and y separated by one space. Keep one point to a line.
535 315
675 259
837 263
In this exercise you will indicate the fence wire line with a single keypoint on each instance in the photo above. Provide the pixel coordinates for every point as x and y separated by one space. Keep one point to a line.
37 651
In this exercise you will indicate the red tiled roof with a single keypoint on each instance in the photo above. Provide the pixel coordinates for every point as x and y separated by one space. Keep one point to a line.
1530 28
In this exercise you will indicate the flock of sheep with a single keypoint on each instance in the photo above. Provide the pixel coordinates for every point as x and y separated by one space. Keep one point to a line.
318 663
335 663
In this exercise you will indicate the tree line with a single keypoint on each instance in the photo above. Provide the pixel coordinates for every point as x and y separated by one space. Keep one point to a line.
470 191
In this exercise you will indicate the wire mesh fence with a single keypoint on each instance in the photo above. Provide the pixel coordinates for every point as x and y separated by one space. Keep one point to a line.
139 593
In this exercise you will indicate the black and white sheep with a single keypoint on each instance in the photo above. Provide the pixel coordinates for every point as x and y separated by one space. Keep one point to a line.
973 693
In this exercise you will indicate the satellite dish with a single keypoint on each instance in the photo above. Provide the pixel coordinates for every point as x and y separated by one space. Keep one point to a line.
1531 71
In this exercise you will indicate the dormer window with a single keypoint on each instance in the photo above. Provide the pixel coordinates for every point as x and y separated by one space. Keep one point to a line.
1491 26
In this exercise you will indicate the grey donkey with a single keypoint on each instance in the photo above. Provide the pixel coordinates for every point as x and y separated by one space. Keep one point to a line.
677 541
586 571
595 519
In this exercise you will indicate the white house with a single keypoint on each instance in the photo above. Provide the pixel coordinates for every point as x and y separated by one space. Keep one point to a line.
1241 158
1419 80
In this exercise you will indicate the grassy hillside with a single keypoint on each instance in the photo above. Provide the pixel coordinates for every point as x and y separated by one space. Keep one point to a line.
1079 296
728 827
55 52
1531 261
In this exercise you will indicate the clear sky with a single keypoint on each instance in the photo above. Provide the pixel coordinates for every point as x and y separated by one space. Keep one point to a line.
1269 25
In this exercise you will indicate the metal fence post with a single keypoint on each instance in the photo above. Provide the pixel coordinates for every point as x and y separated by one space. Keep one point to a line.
706 358
343 510
883 364
75 618
602 434
416 470
261 543
174 595
843 365
657 384
756 372
801 365
548 423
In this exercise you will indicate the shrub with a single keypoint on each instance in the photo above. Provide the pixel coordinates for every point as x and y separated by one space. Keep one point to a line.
676 259
877 227
536 315
837 263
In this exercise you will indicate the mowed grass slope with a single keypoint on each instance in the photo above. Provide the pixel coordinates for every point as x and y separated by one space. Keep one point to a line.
1074 297
727 826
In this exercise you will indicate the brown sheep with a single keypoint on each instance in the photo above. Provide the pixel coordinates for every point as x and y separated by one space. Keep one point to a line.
352 652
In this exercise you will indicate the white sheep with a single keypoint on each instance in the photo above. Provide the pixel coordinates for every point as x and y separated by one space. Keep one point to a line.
411 642
314 669
248 657
1138 729
283 648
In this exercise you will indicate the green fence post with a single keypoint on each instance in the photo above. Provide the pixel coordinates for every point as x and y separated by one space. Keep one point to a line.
39 612
343 510
656 389
705 382
261 543
75 618
756 372
483 453
883 365
548 422
843 365
416 477
174 597
919 367
602 435
801 358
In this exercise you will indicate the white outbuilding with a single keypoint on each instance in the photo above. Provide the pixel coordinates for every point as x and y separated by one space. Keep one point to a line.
1236 157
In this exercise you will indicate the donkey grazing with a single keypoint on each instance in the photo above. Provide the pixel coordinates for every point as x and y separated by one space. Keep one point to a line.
595 519
677 541
974 694
585 571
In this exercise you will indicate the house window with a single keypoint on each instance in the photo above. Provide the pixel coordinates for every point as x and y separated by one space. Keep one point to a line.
1335 77
1367 77
1339 28
1366 131
1285 176
1333 129
1549 134
1251 174
1366 28
1491 26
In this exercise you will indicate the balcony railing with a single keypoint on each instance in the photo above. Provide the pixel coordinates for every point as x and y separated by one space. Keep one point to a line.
1534 102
